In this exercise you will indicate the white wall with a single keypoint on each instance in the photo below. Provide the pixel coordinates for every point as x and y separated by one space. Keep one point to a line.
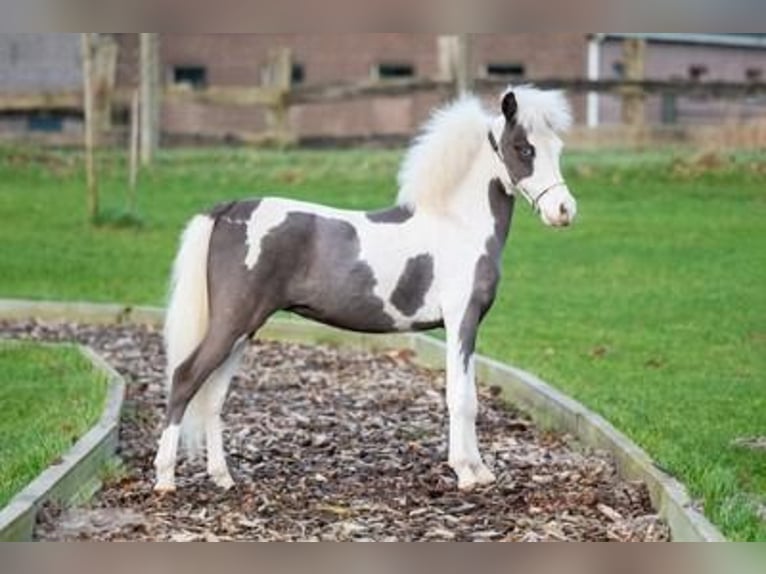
39 61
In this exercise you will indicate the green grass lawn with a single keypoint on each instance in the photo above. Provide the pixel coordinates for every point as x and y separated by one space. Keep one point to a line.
651 310
49 397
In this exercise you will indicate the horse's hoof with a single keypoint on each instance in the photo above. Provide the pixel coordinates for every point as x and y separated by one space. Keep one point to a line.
466 478
223 481
484 476
471 476
466 484
163 488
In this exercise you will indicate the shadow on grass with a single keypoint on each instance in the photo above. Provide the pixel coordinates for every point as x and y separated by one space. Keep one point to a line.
119 219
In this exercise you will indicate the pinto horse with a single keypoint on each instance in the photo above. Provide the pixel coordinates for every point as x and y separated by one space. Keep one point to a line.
432 260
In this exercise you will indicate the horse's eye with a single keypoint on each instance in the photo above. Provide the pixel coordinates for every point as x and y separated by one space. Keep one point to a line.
526 152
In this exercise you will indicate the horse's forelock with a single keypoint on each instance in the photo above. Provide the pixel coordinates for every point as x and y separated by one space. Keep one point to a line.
542 109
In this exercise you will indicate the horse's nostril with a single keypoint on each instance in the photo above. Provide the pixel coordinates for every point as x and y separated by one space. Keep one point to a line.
563 210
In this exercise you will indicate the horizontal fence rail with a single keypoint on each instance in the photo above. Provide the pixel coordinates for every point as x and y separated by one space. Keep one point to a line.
72 100
276 100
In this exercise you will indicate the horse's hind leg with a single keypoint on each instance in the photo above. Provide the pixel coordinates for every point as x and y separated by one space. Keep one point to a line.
215 394
210 356
165 459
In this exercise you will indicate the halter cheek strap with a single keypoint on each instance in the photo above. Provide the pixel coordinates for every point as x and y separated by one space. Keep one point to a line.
534 202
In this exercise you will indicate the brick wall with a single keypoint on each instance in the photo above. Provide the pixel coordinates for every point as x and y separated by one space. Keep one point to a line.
38 61
238 59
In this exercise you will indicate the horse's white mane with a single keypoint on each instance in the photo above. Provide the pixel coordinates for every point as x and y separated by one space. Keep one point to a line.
445 149
443 152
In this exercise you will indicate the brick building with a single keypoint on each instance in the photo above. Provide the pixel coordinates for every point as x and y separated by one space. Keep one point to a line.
49 62
39 63
239 60
698 57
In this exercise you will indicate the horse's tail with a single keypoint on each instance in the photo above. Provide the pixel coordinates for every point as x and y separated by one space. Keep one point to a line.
186 321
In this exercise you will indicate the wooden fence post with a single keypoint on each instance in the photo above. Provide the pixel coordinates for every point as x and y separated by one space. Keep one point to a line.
87 43
455 61
634 51
150 96
278 75
135 110
104 79
464 72
445 51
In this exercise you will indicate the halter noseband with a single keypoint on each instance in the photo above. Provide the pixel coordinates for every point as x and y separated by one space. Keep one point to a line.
534 202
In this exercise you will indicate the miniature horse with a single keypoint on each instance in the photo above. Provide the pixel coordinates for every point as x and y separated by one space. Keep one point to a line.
432 260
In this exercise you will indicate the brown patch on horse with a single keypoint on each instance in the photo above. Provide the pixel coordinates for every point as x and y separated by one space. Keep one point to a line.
487 271
397 214
414 284
308 265
517 153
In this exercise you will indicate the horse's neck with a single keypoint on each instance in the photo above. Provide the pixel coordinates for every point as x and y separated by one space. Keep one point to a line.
471 201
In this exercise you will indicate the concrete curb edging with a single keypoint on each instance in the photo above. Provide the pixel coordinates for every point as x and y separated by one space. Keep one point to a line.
547 406
76 477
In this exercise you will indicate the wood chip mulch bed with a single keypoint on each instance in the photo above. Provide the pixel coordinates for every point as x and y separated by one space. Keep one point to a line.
333 444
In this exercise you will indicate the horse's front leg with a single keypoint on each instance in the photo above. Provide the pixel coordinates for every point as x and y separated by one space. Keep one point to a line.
464 457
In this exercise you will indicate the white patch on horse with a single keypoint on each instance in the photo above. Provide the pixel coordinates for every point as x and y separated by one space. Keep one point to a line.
232 221
270 214
387 254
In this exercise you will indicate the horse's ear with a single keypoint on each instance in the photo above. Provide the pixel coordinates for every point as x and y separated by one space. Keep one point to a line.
510 107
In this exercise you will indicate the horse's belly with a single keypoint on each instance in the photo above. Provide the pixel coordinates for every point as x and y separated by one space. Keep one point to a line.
356 317
365 313
354 301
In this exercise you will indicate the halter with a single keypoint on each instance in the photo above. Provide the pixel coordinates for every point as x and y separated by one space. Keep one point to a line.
534 202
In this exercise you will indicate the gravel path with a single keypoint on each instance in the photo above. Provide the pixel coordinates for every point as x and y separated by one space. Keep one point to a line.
332 444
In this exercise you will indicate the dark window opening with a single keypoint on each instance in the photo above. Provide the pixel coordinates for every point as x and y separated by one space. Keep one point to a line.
194 77
754 74
501 70
697 72
45 124
669 109
618 69
395 70
298 73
